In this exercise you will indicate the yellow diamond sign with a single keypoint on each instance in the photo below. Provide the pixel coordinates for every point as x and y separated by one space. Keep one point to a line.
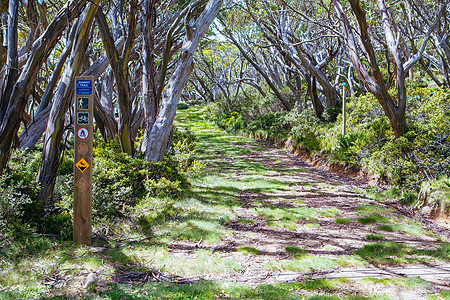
82 165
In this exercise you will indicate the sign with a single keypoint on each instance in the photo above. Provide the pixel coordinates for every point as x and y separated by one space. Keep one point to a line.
82 184
84 87
83 133
83 103
83 118
83 148
82 192
82 165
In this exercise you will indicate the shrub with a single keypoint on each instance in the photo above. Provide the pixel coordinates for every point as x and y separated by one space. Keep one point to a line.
272 123
19 190
182 105
306 132
436 195
119 181
12 203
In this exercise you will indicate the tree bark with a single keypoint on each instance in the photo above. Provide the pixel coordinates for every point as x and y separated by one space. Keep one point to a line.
41 49
104 110
149 89
374 83
119 65
160 133
12 63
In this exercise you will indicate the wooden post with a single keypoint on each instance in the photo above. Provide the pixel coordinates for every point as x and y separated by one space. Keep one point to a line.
82 206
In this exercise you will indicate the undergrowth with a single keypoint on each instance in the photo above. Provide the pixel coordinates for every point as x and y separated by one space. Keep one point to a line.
120 183
414 166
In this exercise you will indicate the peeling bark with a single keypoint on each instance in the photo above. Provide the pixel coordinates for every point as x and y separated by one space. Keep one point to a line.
160 134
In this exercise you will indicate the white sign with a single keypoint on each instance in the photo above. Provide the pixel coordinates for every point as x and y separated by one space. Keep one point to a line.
83 133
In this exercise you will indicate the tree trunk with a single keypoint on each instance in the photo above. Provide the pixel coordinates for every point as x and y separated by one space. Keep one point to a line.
12 63
41 49
103 108
149 90
374 83
160 133
317 105
263 73
119 65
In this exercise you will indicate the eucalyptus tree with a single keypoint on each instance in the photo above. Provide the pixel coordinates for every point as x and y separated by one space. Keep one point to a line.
362 46
167 34
120 65
222 70
196 24
424 20
303 34
290 41
238 27
62 100
17 85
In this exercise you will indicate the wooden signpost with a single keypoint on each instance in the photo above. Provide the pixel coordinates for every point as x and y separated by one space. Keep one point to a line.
82 206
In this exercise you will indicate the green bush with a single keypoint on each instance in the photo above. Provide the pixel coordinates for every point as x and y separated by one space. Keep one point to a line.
350 149
232 122
272 123
119 181
19 190
330 113
306 132
13 203
436 195
182 105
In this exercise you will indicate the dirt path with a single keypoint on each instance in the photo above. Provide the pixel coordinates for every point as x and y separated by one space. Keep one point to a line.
292 221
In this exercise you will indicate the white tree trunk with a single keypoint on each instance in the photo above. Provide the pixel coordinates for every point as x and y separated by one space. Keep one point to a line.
159 136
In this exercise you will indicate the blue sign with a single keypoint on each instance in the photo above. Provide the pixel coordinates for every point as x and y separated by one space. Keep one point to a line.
343 83
84 87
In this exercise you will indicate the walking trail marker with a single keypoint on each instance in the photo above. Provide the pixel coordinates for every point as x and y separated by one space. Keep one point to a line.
82 206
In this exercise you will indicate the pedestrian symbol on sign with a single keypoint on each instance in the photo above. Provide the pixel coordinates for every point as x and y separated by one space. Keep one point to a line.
83 103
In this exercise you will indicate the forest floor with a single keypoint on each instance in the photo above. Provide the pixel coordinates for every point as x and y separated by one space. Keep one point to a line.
259 223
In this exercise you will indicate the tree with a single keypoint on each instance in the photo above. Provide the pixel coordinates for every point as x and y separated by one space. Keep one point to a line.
393 106
14 100
158 137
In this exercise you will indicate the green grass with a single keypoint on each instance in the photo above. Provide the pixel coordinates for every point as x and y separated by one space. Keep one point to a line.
199 262
322 289
290 214
307 262
410 283
249 250
371 209
330 212
389 253
374 237
413 229
343 220
373 218
294 250
388 228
